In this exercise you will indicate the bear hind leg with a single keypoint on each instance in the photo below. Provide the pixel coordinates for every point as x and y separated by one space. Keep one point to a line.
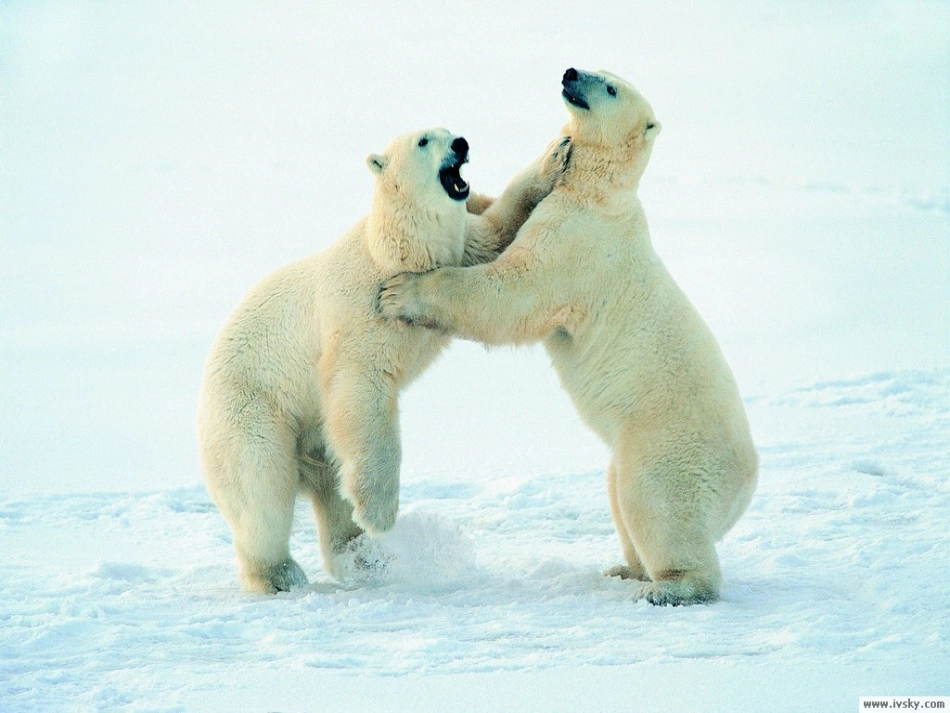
334 515
254 482
262 541
696 584
270 579
678 555
634 568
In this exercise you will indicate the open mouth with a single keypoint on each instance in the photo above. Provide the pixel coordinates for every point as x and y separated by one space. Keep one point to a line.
573 98
451 178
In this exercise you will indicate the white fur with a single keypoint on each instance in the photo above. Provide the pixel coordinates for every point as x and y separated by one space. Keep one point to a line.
641 366
300 389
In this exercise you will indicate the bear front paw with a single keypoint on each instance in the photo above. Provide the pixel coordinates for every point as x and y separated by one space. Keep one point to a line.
392 298
547 170
399 299
558 157
376 515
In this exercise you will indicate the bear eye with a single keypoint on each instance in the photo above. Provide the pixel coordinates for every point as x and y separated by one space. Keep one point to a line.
423 141
611 91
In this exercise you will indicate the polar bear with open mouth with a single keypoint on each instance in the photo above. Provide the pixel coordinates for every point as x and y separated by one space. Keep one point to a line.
300 390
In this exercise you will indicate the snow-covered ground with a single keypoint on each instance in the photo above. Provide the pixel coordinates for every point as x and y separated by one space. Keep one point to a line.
157 158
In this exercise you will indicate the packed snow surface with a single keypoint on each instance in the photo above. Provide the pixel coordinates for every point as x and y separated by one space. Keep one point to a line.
160 158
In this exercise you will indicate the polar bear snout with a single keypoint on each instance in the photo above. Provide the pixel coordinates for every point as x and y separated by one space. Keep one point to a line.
460 147
573 93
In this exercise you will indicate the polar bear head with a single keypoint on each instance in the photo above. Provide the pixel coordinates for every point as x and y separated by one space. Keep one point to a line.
418 217
428 163
609 115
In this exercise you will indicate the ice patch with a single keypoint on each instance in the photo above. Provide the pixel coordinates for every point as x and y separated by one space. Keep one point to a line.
128 572
930 201
868 466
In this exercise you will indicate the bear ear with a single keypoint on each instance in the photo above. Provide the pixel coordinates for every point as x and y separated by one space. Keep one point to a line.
376 163
653 128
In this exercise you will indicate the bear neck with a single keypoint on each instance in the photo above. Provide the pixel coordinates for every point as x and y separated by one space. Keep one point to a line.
406 236
605 170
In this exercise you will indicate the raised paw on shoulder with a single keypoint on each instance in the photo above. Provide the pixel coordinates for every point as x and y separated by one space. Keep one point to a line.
394 298
400 298
548 168
556 158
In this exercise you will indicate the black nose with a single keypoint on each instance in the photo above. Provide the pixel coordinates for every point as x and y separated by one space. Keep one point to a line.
460 146
570 75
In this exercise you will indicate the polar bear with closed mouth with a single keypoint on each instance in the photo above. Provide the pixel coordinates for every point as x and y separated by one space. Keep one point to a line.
299 394
641 366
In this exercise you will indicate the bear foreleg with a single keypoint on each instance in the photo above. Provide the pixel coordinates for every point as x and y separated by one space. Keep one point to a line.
363 434
503 302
